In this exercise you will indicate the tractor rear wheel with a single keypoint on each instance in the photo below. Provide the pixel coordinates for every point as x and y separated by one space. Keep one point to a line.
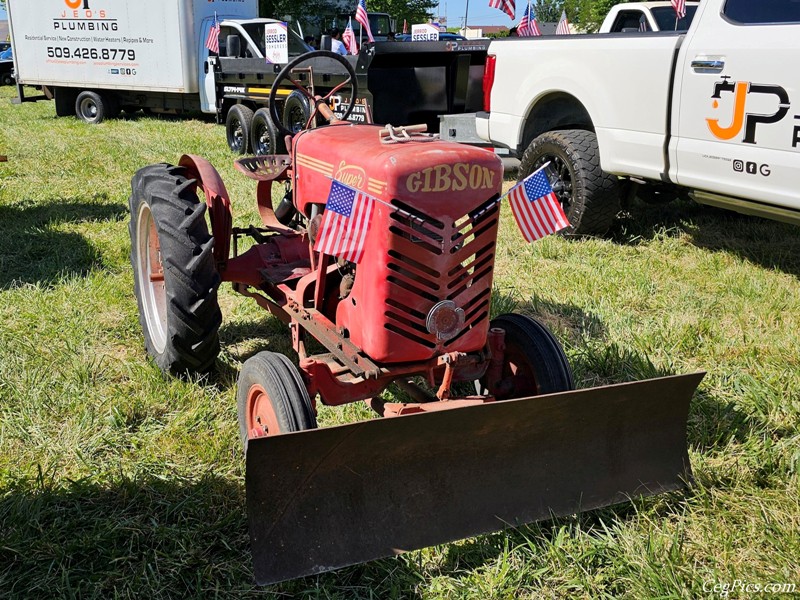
272 398
175 278
237 128
535 362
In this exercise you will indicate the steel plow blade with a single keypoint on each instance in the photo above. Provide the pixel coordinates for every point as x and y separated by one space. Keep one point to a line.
328 498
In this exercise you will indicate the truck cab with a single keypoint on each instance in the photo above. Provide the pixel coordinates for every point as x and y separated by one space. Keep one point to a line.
631 17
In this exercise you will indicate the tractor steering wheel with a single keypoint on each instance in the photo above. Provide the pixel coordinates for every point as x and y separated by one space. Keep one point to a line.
315 101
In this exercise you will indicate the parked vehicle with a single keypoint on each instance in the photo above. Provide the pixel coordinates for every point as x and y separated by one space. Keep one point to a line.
647 16
710 113
97 61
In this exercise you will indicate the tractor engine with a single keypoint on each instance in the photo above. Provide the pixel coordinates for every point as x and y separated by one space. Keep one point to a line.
424 284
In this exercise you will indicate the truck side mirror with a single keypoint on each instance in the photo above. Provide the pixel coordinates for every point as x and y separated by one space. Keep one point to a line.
233 46
325 43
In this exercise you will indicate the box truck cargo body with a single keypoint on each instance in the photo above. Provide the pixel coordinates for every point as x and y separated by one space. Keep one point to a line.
124 54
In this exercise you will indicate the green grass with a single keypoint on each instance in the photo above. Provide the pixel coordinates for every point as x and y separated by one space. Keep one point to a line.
117 482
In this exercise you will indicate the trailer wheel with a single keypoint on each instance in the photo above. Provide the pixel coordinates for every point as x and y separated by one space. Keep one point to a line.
175 278
91 107
534 363
590 197
264 138
237 128
296 112
7 79
272 398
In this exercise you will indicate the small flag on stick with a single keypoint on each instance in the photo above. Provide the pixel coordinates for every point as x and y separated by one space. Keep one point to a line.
507 6
212 41
535 207
349 38
363 18
563 25
680 8
345 223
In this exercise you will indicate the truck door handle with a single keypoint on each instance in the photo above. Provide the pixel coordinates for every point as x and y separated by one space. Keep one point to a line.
708 64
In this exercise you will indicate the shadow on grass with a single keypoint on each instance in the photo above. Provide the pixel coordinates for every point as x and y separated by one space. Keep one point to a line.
35 249
770 244
153 537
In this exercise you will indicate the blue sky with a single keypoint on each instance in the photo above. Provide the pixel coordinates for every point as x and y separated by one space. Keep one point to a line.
479 13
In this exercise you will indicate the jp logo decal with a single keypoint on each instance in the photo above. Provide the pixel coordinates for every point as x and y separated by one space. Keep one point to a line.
742 91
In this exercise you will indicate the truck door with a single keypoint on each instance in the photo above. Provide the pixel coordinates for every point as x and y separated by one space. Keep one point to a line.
207 61
738 123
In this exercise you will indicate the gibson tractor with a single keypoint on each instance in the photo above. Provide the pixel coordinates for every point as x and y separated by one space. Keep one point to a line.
414 309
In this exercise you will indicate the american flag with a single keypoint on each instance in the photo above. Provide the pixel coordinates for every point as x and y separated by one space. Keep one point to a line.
405 26
680 8
535 207
363 18
349 38
507 6
212 41
527 24
345 223
643 24
563 25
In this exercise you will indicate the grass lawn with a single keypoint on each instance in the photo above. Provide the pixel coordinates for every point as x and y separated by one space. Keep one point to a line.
117 482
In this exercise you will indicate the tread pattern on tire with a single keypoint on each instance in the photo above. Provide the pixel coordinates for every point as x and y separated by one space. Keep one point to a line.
554 373
245 116
190 275
282 381
596 197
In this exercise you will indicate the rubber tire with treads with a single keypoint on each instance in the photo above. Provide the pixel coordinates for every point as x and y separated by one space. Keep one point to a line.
534 358
92 108
283 389
7 79
181 318
264 135
237 128
296 111
590 197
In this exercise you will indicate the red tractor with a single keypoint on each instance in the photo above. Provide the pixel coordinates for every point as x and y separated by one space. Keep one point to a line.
413 312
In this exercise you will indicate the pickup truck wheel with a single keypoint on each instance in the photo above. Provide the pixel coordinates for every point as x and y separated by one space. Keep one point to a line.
590 198
264 138
175 278
237 128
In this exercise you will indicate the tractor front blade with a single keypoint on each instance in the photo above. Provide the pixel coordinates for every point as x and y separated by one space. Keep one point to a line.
323 499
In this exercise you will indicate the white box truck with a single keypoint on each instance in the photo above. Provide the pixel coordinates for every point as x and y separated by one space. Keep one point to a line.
96 57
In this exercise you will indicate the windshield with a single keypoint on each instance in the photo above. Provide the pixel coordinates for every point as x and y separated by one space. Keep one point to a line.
665 17
257 32
378 24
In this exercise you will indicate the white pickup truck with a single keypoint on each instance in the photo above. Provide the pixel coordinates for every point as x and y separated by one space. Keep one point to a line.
714 112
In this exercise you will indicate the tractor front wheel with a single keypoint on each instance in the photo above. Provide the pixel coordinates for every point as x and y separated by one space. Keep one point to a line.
534 362
272 398
175 278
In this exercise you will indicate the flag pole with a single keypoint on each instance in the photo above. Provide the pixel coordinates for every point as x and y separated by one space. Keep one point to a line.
466 14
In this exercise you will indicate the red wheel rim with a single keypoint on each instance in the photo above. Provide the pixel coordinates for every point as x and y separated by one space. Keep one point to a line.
261 417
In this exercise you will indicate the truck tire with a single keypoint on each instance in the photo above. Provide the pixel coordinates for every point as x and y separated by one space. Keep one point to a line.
237 128
7 79
296 112
175 278
92 107
590 197
264 137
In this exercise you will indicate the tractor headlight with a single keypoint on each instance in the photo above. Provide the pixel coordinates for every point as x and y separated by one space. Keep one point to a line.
445 320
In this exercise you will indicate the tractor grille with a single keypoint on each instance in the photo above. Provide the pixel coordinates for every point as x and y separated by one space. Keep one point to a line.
430 261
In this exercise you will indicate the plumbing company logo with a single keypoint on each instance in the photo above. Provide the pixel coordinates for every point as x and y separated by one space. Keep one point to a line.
80 16
742 91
